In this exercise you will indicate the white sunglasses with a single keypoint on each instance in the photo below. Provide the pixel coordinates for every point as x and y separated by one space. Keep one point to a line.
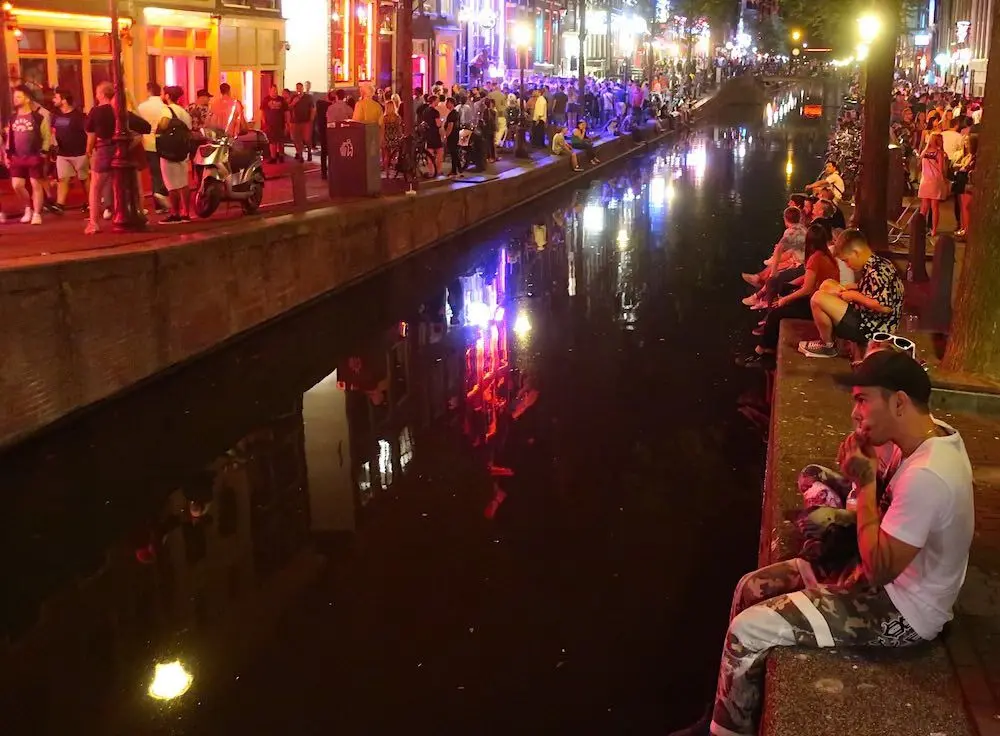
900 343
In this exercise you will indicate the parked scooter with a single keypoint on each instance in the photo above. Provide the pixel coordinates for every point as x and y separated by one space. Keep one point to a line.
230 170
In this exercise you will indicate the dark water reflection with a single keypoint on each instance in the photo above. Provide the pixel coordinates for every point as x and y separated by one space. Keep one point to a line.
500 488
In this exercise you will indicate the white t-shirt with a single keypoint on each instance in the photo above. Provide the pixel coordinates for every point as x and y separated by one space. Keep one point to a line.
837 184
931 507
953 146
150 110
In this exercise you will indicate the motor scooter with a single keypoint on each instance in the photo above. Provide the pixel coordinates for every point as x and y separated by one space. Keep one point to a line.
229 170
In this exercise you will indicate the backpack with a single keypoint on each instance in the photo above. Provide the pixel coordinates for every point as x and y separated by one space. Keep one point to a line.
174 143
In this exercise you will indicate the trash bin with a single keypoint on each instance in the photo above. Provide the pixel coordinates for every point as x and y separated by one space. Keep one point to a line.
354 156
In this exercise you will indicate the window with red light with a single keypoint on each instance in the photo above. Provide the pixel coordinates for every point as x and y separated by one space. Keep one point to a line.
340 19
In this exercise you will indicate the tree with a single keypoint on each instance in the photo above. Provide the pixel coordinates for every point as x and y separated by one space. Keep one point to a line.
974 343
835 25
693 14
871 197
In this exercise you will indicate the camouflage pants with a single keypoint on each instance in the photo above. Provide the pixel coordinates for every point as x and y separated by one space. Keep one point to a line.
782 605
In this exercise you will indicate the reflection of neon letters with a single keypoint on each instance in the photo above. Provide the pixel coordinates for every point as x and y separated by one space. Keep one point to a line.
347 149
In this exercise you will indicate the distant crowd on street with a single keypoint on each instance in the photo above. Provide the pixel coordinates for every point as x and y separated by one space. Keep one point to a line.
938 131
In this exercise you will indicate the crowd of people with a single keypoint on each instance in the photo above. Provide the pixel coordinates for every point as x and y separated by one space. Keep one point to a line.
51 143
938 131
822 271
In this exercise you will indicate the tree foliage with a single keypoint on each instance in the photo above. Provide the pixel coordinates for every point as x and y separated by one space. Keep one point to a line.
834 24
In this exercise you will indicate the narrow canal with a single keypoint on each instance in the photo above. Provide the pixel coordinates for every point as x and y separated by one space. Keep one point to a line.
505 487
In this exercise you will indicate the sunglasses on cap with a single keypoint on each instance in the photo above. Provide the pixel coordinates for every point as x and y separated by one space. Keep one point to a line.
900 343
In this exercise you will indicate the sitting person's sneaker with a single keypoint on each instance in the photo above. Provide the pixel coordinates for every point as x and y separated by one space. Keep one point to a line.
752 279
818 349
752 300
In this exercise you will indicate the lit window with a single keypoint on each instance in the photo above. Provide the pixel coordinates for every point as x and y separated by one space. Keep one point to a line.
248 88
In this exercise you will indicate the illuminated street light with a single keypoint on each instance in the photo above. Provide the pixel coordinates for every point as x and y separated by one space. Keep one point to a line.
869 26
796 35
522 325
861 52
521 36
170 680
795 52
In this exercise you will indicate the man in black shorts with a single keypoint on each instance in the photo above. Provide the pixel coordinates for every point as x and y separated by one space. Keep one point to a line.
855 313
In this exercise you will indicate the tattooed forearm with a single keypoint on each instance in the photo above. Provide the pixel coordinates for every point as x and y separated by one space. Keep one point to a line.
861 471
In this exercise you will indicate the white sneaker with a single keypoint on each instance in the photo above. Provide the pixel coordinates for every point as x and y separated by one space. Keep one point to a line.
36 219
27 216
107 214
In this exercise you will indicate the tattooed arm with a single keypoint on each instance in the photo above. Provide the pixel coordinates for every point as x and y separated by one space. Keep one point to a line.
883 556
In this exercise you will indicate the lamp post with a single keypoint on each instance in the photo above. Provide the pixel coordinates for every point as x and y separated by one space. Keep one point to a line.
522 38
6 16
127 208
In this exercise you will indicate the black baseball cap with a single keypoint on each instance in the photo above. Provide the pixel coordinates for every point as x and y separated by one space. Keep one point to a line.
893 371
204 93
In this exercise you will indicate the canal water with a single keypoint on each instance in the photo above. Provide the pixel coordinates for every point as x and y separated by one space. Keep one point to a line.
504 487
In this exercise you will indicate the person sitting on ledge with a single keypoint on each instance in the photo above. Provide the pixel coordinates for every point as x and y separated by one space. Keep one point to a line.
784 265
582 142
821 266
836 215
831 180
855 312
560 147
914 548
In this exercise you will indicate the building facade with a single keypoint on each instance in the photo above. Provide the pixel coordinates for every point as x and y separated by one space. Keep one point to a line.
962 43
195 44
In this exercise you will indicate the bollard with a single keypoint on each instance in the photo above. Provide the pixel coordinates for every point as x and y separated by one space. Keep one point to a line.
937 312
299 196
918 250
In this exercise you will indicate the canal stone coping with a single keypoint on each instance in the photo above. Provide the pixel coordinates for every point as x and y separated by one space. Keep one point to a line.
80 329
861 692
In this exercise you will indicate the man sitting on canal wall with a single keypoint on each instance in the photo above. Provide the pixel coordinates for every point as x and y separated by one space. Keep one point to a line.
913 556
855 313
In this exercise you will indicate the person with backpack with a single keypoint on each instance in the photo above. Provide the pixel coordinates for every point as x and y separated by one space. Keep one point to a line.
173 144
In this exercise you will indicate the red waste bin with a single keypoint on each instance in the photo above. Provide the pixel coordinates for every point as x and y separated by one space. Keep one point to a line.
354 158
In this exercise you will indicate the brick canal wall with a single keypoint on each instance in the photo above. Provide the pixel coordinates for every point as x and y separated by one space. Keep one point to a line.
74 332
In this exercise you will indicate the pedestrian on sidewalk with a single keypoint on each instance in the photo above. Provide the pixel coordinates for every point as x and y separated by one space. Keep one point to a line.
100 127
303 113
28 140
452 127
70 128
964 184
934 186
199 110
392 133
274 111
489 122
539 118
173 135
913 545
151 110
226 112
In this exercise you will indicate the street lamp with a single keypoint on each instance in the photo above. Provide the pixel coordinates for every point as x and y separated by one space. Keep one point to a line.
796 35
869 26
521 36
127 206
